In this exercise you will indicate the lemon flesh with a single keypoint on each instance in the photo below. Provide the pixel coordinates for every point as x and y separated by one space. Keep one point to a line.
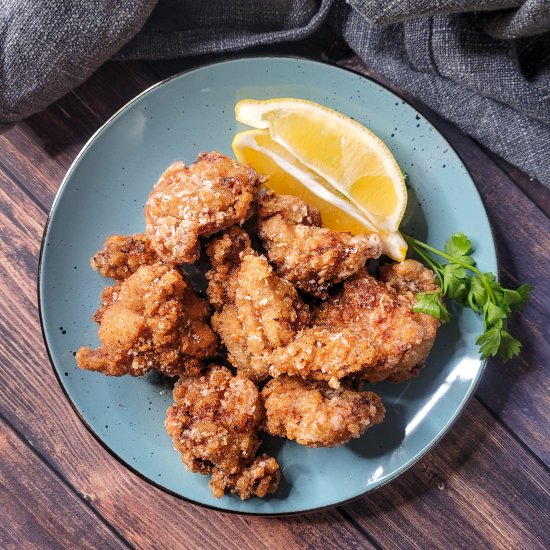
343 152
287 175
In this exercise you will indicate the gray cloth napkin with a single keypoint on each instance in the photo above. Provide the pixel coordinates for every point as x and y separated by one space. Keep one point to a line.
485 65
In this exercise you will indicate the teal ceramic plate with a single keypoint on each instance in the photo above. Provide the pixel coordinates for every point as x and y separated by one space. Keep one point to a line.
104 193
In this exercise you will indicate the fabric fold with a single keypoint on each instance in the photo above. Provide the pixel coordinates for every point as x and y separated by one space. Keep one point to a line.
228 27
49 47
483 65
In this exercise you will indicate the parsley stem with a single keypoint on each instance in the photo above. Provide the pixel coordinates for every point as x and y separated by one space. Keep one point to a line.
435 268
417 245
443 255
460 280
487 288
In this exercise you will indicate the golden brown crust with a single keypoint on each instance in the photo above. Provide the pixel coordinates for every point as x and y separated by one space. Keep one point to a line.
257 311
408 278
313 414
226 254
153 320
122 255
258 479
187 202
214 420
214 424
311 257
368 329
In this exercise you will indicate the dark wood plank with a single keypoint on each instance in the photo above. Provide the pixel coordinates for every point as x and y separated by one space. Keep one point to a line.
143 514
522 235
476 489
537 192
38 510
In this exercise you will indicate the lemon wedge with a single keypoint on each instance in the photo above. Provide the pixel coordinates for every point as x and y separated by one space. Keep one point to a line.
343 152
287 175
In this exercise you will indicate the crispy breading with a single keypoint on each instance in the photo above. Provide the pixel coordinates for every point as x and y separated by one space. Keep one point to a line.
368 330
313 414
257 310
258 479
151 320
122 255
310 256
214 420
187 202
214 424
226 254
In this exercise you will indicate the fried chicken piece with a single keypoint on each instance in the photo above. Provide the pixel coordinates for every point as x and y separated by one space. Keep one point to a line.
316 415
211 194
368 329
226 254
258 479
214 424
257 311
122 255
214 420
151 320
308 255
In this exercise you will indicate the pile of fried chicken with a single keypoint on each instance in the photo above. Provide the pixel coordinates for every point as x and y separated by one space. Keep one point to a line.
299 324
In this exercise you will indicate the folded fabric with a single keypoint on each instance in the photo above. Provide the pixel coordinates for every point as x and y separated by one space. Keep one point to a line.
497 90
485 65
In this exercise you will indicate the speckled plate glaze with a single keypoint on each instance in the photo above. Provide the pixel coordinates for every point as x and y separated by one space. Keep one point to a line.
104 192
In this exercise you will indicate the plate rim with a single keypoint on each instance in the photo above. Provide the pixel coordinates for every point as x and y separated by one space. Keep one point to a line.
222 60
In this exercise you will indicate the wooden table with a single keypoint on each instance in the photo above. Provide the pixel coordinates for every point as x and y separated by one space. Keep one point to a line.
484 485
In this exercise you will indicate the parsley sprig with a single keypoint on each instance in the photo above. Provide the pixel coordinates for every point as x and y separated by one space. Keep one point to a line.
461 281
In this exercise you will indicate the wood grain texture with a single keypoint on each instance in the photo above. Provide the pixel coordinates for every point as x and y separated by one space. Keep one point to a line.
522 235
57 517
477 489
539 194
39 151
485 484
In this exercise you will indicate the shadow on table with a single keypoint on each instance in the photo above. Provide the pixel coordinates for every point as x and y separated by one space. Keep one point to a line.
434 471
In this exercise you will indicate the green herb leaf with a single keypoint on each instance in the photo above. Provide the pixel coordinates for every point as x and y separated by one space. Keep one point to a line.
489 342
455 281
525 292
517 298
509 346
458 245
430 303
493 315
477 295
463 282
